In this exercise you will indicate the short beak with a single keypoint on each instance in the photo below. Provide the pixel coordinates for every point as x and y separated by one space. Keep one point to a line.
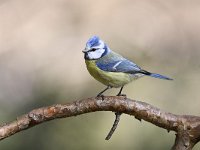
85 50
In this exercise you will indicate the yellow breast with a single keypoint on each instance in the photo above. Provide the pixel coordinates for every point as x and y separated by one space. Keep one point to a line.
114 79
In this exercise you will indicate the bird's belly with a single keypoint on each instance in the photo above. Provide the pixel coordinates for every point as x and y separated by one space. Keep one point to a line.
114 79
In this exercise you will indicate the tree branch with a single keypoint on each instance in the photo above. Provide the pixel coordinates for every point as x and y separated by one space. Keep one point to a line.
187 127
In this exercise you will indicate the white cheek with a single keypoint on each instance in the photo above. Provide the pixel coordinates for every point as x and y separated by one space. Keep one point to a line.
96 54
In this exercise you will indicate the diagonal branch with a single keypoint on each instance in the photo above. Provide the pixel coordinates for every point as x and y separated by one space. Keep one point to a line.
112 130
187 127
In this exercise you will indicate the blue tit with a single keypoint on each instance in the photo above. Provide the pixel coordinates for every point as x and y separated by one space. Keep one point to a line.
110 68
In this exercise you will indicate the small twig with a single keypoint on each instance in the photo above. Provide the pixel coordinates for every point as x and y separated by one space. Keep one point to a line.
112 130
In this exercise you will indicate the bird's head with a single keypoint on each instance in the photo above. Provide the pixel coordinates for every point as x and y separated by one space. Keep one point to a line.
95 48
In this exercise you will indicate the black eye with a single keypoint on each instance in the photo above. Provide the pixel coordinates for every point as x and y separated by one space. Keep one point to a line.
93 49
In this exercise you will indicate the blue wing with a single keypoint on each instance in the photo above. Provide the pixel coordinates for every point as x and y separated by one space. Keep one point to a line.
126 66
122 65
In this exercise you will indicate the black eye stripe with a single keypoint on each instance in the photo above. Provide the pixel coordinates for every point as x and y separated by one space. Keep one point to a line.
93 49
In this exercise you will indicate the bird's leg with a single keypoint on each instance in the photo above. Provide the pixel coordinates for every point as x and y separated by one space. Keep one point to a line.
120 92
100 94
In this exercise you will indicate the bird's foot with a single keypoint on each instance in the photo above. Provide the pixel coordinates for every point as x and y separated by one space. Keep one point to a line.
124 95
100 96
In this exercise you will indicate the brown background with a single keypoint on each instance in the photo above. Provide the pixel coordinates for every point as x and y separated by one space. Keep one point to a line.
41 63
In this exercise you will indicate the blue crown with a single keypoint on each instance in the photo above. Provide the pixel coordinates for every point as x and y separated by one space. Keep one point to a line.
93 41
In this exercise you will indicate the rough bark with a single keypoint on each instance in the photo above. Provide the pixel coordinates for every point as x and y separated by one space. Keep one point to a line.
187 127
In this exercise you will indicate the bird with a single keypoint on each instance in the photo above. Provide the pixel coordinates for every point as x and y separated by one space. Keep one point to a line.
111 68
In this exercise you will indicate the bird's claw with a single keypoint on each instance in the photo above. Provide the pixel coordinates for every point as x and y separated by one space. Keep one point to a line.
124 95
100 96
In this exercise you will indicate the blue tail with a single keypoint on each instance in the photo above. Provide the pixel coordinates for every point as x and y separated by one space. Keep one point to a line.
155 75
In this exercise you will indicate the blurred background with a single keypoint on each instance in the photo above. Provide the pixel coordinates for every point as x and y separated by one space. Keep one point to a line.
41 64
